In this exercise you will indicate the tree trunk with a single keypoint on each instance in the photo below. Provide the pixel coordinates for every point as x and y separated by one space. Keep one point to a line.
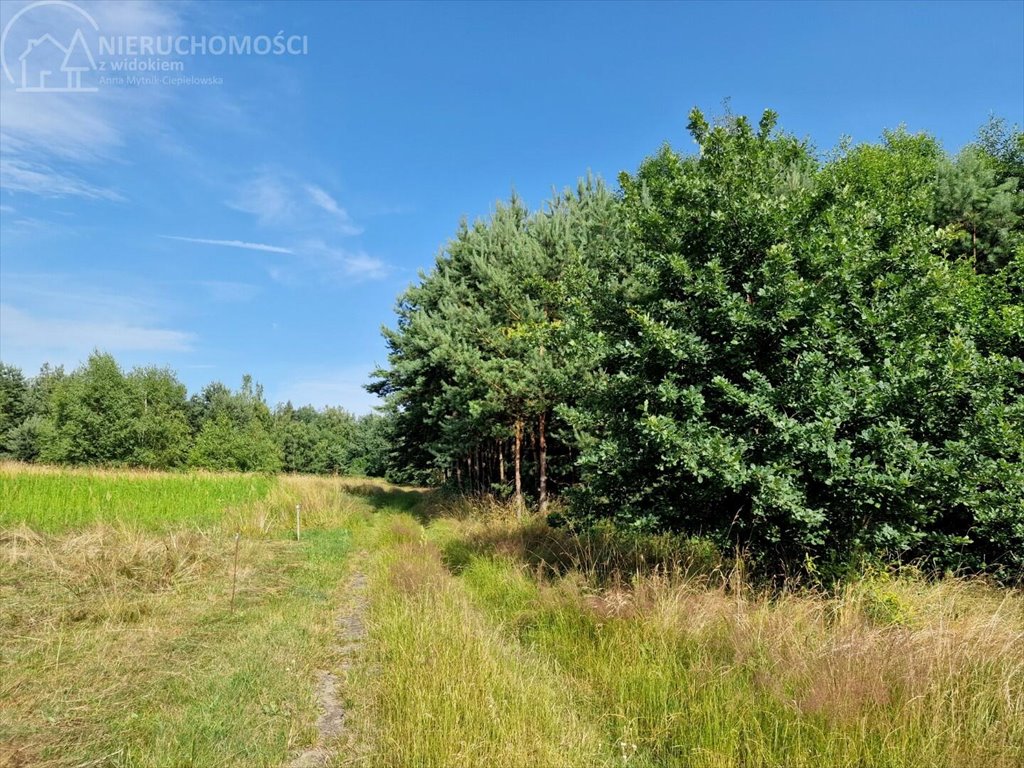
518 453
501 462
542 462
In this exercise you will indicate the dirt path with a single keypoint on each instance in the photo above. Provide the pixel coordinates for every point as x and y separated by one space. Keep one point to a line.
350 632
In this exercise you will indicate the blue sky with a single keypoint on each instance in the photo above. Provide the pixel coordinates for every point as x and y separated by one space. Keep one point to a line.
265 221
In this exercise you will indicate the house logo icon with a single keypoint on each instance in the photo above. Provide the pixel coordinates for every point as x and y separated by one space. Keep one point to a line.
45 64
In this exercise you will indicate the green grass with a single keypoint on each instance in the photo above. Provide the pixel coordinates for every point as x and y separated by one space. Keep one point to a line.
246 699
119 645
445 687
58 501
680 668
490 641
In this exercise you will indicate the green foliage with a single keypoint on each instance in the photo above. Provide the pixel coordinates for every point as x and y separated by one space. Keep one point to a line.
981 213
370 446
161 428
484 348
810 360
805 372
14 401
1003 145
222 445
92 414
24 441
26 424
331 441
100 415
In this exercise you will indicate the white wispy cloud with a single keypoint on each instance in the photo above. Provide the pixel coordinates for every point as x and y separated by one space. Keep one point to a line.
278 199
60 318
330 262
18 175
266 198
13 223
310 215
231 244
322 199
364 266
64 126
55 145
68 339
99 299
342 264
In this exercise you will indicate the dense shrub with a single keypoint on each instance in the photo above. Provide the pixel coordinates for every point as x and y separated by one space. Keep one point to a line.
812 360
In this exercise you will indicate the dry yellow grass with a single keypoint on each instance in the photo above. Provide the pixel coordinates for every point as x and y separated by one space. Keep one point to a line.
118 642
491 641
680 663
445 687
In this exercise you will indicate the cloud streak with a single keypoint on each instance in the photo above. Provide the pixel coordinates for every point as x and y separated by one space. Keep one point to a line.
63 338
39 179
231 244
280 200
325 202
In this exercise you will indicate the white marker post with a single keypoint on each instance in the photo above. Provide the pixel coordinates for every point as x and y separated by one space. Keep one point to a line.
298 523
234 575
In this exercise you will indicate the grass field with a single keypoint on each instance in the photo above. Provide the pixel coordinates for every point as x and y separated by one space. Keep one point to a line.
119 643
53 501
489 641
526 650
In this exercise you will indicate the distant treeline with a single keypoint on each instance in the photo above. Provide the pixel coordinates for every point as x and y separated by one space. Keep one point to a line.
101 415
809 358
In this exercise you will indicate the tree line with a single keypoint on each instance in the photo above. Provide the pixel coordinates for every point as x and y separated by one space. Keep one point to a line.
809 357
99 414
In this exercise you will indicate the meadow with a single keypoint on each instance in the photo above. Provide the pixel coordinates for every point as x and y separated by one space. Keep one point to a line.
55 500
504 642
128 637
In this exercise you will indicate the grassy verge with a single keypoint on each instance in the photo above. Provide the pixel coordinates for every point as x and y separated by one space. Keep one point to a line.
118 642
490 641
524 642
445 687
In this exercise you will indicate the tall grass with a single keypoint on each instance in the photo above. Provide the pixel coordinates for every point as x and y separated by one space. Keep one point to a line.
674 661
54 501
689 676
118 642
491 641
444 687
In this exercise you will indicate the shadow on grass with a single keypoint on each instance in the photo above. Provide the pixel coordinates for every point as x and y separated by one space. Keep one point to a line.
412 501
488 528
602 553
